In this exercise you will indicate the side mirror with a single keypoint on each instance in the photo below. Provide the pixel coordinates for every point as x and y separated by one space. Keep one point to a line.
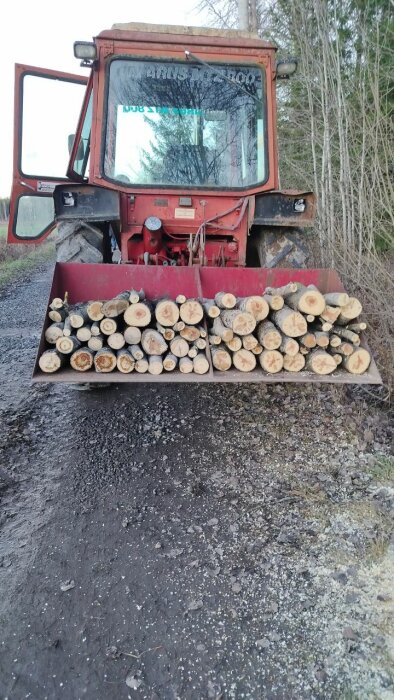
81 149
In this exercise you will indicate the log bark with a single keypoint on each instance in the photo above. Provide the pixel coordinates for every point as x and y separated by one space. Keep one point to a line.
307 299
54 332
294 363
322 339
191 312
289 346
136 352
57 315
155 364
220 329
167 312
347 335
274 301
190 333
285 291
330 313
51 361
170 362
67 345
96 342
335 341
290 322
225 300
200 364
249 342
139 314
124 361
153 342
116 341
336 298
321 325
240 322
255 305
117 306
357 327
84 334
268 335
142 365
349 312
105 361
345 349
108 326
132 335
221 358
94 310
78 316
358 362
185 365
320 362
203 332
244 360
210 308
234 344
135 297
271 361
82 359
67 330
179 346
308 340
167 333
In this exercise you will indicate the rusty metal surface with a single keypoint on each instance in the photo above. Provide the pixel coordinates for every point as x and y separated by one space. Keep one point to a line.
86 282
277 209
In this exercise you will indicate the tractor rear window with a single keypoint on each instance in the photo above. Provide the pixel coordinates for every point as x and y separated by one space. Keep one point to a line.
185 124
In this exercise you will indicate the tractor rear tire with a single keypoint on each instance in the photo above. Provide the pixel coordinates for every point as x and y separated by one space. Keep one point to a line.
282 248
79 242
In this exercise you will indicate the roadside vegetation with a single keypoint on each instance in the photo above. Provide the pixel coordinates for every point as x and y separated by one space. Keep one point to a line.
16 259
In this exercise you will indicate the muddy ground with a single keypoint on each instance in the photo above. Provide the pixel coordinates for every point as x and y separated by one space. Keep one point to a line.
189 542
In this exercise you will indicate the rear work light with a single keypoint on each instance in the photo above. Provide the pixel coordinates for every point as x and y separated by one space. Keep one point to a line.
286 67
85 50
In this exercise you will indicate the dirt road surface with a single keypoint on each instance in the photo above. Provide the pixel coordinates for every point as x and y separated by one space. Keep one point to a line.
189 542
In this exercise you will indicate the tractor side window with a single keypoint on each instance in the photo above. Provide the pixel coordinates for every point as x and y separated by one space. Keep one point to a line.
50 113
81 162
34 215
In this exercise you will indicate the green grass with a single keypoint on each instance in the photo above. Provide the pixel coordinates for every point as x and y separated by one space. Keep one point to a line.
383 469
18 258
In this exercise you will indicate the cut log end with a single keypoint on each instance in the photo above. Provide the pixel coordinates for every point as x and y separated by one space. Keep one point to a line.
320 362
82 360
105 360
51 361
167 313
191 312
271 361
244 360
358 362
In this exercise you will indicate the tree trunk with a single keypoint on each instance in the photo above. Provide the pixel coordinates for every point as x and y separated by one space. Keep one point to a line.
225 300
82 359
142 365
105 360
347 335
322 339
358 362
257 350
268 335
179 326
290 322
153 342
214 339
193 352
135 297
50 361
67 330
57 315
167 313
257 306
138 314
124 361
191 312
201 343
320 362
249 342
355 327
335 341
271 361
57 303
180 299
244 360
330 313
95 329
240 322
221 358
308 340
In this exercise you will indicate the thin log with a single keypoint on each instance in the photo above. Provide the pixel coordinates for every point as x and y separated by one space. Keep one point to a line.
284 292
94 310
249 342
234 344
67 345
203 332
67 330
153 342
255 305
53 332
210 308
200 364
320 362
51 361
132 335
180 299
349 312
290 322
124 361
294 363
56 303
214 339
201 343
225 300
84 334
190 333
289 346
179 346
155 364
244 360
274 301
347 335
136 352
336 298
322 325
167 313
257 350
322 339
358 362
240 322
220 330
330 313
307 299
357 327
142 365
193 351
268 335
303 350
139 314
116 341
105 361
82 359
96 342
308 340
135 297
170 362
78 316
95 328
271 361
221 358
179 326
191 312
335 341
185 365
57 315
108 326
345 349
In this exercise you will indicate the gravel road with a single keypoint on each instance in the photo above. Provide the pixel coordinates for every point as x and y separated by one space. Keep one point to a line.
189 542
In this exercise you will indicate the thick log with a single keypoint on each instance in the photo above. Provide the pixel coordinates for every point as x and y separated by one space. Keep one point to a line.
347 335
153 342
116 341
358 362
191 312
108 326
271 361
170 362
67 345
289 346
124 361
50 361
105 361
234 344
214 339
225 300
220 330
190 333
57 315
78 316
285 291
249 342
82 359
95 329
179 346
244 360
240 322
336 298
210 308
307 299
294 363
330 313
116 306
201 343
135 297
320 362
349 312
155 364
322 339
268 335
221 358
290 322
142 365
185 365
308 340
255 305
274 301
84 334
180 299
200 364
257 350
357 327
193 351
54 332
167 312
96 342
67 330
94 310
139 314
132 335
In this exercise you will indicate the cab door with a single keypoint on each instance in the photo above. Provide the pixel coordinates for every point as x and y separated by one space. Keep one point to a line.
46 110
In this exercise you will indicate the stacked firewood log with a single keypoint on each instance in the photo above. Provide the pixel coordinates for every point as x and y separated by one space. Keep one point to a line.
292 328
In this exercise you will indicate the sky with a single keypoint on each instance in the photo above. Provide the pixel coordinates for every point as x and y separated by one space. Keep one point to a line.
42 35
